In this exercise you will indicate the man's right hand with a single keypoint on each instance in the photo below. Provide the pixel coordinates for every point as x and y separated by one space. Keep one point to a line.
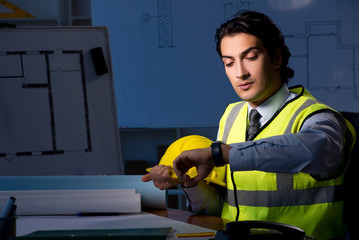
200 158
161 176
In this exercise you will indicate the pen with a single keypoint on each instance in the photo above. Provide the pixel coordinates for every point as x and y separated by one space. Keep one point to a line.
202 234
6 210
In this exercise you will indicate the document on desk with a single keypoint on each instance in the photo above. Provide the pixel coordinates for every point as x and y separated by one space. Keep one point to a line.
29 224
55 202
151 197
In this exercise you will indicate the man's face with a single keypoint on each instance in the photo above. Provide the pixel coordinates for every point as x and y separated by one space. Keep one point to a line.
248 66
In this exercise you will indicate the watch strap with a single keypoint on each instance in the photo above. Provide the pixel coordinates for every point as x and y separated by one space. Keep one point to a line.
217 154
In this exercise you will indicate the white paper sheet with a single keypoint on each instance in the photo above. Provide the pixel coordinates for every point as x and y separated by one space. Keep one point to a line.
53 202
151 197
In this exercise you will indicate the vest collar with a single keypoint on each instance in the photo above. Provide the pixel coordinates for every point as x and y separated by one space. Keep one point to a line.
269 107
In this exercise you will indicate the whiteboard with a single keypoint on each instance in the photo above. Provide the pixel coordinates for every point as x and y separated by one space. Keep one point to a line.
168 74
57 115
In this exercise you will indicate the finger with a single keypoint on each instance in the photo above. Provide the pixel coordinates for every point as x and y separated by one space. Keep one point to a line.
196 179
203 172
180 168
168 173
146 178
167 166
180 175
190 183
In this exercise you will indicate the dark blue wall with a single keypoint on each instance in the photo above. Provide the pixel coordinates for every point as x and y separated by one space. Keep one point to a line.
168 75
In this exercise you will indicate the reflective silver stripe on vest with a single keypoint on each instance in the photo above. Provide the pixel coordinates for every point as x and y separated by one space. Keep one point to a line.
230 120
288 197
306 104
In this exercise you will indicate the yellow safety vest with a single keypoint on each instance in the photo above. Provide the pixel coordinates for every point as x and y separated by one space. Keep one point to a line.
295 199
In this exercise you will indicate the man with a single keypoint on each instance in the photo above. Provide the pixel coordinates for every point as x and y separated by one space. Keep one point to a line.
292 169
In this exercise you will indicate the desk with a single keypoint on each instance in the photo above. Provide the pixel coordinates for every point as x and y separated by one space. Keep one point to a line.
182 221
211 222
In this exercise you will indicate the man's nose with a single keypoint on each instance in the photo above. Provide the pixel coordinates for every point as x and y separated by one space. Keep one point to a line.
242 72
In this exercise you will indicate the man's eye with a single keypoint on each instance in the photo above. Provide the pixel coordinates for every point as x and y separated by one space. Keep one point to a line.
251 58
228 64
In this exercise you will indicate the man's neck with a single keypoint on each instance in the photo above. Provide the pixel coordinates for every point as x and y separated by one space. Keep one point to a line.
271 105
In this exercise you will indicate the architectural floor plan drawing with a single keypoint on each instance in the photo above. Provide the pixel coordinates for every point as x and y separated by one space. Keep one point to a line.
327 63
46 107
57 113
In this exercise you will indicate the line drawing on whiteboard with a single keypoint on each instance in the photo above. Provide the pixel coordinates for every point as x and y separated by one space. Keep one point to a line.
164 21
231 8
44 106
328 64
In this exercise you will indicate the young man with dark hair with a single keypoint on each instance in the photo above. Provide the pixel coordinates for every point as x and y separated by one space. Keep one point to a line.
291 168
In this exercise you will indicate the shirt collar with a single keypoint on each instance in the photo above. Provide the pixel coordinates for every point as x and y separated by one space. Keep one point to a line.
271 105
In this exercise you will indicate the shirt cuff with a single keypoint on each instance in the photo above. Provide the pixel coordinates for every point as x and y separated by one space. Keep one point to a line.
195 191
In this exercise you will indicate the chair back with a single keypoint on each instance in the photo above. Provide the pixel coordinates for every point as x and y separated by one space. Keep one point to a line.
351 207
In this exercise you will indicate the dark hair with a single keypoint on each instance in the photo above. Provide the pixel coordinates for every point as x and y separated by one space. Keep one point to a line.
262 27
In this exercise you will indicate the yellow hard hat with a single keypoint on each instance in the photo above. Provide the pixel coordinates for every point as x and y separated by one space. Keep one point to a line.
190 142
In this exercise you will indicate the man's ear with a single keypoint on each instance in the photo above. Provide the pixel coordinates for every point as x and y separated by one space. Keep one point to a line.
277 58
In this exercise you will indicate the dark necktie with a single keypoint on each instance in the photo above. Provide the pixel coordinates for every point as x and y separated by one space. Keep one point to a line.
253 128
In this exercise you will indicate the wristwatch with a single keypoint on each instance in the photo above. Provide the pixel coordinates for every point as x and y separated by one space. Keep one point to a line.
217 154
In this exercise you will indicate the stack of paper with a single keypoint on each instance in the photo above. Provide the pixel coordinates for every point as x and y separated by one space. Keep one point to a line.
151 197
53 202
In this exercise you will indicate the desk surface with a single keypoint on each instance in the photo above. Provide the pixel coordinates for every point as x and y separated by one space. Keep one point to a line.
215 223
183 222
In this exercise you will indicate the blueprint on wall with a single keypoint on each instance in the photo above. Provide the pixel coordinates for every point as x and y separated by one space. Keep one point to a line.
171 76
57 116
